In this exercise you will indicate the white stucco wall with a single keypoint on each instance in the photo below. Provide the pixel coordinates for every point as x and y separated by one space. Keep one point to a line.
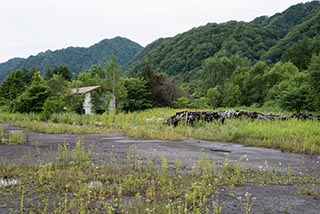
87 105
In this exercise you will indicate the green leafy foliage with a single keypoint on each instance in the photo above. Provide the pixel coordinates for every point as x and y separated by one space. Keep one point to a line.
241 83
52 105
60 98
294 97
33 98
214 96
61 70
181 102
314 79
217 69
138 96
14 85
301 52
112 81
279 72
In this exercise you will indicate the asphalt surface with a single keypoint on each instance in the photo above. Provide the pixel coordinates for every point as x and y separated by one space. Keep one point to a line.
42 148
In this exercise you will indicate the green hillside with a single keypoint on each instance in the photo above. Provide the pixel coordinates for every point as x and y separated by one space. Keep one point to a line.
310 28
75 58
264 38
8 66
269 62
289 18
187 51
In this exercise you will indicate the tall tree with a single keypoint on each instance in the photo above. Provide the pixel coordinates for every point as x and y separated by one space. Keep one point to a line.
294 96
216 70
15 84
254 90
33 98
60 70
138 96
314 79
112 73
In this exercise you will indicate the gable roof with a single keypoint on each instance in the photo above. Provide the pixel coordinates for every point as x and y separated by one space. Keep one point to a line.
84 90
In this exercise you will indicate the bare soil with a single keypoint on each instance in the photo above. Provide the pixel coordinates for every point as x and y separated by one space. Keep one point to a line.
42 148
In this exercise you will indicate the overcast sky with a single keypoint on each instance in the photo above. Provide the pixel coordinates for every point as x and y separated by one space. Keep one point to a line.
28 27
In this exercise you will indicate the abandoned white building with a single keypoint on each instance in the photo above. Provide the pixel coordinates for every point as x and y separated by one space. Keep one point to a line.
87 104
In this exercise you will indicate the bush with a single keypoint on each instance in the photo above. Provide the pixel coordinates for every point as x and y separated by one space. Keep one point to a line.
52 105
181 102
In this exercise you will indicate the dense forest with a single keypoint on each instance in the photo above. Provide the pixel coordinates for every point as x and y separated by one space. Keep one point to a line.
271 61
266 40
75 58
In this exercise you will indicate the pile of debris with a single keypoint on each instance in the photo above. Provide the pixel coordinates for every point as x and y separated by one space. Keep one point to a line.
209 116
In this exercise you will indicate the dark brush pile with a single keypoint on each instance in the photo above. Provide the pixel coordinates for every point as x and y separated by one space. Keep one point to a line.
209 116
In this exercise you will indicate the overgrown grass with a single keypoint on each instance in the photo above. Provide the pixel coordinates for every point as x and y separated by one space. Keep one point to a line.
2 135
16 137
74 184
291 135
12 137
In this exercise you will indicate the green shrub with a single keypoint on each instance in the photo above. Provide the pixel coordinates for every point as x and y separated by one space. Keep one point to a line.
52 105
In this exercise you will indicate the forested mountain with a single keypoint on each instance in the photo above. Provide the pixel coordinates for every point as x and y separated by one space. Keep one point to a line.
310 28
271 61
289 18
264 38
75 58
144 52
186 52
8 66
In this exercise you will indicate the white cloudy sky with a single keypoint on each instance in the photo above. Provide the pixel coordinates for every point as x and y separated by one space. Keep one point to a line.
28 27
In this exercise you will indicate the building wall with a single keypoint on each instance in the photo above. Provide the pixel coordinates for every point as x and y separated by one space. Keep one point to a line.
87 105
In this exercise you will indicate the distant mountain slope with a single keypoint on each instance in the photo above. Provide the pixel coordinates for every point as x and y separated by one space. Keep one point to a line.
310 28
136 60
260 39
265 38
289 18
187 51
75 58
8 66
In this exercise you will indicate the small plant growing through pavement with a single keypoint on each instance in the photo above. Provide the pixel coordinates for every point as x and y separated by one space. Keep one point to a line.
247 201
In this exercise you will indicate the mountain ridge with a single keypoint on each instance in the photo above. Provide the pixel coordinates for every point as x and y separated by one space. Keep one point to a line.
264 38
77 59
185 53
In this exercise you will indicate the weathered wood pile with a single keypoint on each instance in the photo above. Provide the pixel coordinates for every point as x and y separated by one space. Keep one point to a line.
209 116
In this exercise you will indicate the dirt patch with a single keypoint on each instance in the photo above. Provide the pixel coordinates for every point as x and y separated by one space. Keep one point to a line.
42 148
